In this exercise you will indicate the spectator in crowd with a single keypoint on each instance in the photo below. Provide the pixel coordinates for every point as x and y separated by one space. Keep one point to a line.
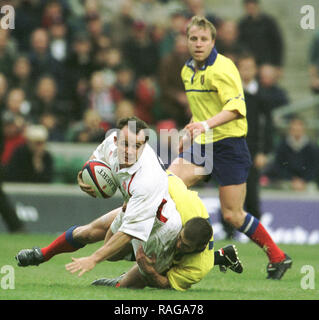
3 92
6 56
13 128
41 59
125 109
52 11
21 76
121 23
271 90
100 99
146 99
17 104
296 158
173 102
227 40
177 26
28 16
49 110
314 64
31 162
7 211
79 65
108 62
88 130
79 62
79 101
95 27
140 52
125 83
260 34
59 40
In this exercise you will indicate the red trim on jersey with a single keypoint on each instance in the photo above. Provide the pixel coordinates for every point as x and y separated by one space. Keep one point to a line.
128 187
159 215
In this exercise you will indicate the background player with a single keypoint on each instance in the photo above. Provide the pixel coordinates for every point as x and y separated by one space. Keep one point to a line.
215 94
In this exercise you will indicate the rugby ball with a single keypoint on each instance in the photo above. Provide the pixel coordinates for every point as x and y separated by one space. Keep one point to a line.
98 174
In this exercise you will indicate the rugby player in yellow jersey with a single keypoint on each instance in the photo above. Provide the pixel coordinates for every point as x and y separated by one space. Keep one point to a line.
194 255
216 135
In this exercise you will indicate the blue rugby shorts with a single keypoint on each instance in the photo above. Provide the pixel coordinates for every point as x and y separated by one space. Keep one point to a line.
227 161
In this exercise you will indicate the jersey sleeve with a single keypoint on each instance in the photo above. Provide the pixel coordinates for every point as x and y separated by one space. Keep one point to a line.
230 90
192 269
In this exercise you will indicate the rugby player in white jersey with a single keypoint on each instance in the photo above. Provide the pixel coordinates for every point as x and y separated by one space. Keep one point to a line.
147 204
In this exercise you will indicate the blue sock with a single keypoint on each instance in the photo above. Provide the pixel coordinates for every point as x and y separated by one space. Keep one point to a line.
69 238
249 226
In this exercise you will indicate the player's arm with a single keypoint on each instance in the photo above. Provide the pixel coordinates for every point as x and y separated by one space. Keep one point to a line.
146 265
113 246
222 117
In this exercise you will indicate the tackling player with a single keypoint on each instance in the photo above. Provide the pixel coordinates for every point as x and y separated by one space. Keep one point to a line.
217 133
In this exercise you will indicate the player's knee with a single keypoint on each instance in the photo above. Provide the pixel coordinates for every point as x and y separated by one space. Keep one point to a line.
233 217
85 234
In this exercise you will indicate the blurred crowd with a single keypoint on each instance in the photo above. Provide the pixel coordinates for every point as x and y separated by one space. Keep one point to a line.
70 69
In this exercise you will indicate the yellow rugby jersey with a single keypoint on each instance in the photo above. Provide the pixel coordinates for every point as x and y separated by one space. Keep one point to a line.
215 87
191 268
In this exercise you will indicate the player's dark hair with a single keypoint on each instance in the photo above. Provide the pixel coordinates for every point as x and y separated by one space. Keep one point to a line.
199 231
135 125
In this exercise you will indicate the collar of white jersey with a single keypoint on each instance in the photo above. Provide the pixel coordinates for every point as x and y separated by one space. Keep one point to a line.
132 169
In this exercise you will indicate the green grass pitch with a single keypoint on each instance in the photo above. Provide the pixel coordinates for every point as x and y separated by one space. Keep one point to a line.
50 281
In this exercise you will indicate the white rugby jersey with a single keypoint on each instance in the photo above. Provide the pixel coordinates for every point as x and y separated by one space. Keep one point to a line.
144 187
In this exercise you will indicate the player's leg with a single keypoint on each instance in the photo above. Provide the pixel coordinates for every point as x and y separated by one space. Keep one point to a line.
77 237
74 238
187 171
232 199
96 230
133 279
130 279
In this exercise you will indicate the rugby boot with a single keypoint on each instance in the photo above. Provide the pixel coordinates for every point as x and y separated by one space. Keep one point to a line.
107 282
232 260
29 257
277 270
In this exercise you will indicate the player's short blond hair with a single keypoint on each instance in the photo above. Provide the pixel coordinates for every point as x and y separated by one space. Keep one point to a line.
201 22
